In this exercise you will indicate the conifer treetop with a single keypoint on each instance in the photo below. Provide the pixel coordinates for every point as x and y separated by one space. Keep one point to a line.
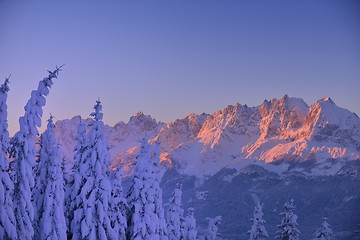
258 230
288 227
324 232
191 211
213 227
55 73
97 114
33 108
190 232
5 86
178 185
4 134
50 121
81 135
289 206
48 81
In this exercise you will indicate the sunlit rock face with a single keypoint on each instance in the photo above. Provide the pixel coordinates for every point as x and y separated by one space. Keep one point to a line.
282 117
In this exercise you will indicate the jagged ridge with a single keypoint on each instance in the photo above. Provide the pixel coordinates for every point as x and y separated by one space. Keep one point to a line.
278 130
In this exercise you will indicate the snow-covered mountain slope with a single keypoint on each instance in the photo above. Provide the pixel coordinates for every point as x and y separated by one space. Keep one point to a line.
121 138
326 131
285 131
233 194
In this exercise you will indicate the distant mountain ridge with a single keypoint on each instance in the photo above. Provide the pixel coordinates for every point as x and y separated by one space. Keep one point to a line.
285 130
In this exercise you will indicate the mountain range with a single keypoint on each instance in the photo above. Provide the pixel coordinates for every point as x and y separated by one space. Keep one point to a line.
280 132
236 156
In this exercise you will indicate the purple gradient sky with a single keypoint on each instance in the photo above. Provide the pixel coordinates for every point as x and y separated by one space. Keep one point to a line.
170 58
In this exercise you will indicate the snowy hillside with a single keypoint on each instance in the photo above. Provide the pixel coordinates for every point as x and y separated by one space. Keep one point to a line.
233 194
281 131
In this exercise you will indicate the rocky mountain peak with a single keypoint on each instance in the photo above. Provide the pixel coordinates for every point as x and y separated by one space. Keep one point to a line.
327 99
326 121
282 117
143 122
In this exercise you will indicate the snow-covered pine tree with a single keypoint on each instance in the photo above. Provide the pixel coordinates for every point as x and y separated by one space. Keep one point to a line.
288 227
190 232
49 189
324 232
212 232
258 230
118 206
175 215
146 217
91 219
77 181
23 151
7 218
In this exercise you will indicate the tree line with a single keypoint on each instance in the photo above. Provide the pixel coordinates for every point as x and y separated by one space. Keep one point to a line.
36 202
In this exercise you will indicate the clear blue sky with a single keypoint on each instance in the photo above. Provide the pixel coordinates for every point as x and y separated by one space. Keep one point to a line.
171 58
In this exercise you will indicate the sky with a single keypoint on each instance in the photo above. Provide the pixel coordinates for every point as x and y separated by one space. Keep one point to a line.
172 58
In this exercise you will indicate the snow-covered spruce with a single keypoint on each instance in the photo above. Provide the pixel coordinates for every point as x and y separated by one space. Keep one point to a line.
258 230
146 217
91 218
49 189
76 181
118 206
212 232
324 232
190 231
23 151
288 227
175 215
7 217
